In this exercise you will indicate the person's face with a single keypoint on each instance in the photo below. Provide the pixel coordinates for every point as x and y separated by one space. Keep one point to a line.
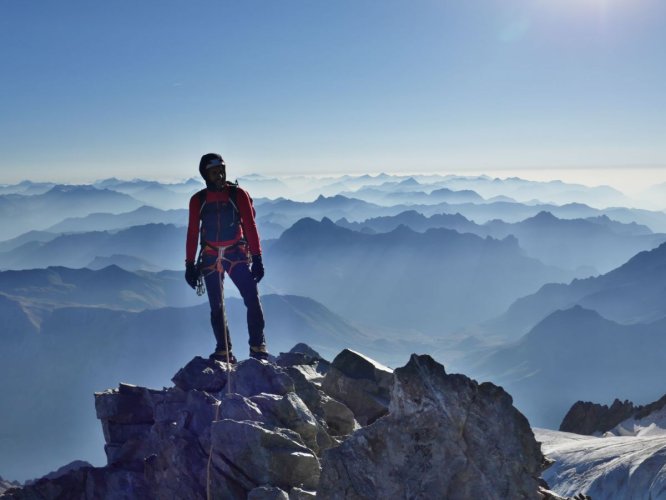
216 175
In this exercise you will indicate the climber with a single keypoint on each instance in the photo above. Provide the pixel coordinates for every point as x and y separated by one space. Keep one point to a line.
221 217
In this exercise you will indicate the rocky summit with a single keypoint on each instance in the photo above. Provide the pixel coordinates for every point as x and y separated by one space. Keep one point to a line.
301 428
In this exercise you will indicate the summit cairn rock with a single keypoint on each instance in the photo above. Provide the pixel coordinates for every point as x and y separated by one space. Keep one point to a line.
445 436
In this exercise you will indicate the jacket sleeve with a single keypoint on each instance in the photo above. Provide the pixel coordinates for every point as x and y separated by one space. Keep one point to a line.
192 229
247 221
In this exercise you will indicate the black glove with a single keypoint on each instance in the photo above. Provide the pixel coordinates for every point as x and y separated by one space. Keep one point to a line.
191 274
257 268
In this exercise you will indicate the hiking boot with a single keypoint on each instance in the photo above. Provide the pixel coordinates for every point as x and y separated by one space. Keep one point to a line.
222 356
259 352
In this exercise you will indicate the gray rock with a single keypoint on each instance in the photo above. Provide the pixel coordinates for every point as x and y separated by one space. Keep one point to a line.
267 493
263 456
253 377
361 383
290 412
126 405
203 374
338 417
237 407
445 437
301 494
177 468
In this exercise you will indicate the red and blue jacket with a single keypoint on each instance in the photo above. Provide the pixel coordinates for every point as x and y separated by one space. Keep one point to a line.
217 220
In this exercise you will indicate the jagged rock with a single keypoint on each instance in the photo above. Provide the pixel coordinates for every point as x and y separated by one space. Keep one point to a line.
587 418
257 433
253 377
267 493
263 456
445 436
338 417
592 418
7 485
203 374
126 405
177 468
360 383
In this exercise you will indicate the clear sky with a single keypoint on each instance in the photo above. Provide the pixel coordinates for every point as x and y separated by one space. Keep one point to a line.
127 88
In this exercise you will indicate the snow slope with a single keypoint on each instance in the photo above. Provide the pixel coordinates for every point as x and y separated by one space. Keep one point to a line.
613 467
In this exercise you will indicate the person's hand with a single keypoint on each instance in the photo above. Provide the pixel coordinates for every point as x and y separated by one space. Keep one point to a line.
191 274
257 268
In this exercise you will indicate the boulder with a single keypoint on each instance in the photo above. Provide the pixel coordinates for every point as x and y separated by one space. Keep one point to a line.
263 456
290 412
253 377
360 383
203 374
445 436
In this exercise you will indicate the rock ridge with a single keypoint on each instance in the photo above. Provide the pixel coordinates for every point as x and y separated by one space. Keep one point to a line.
303 427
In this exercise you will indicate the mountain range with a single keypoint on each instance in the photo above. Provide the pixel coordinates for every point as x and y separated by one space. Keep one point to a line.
588 246
432 282
631 293
22 213
576 354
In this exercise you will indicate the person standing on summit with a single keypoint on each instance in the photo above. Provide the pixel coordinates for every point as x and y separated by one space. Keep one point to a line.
221 218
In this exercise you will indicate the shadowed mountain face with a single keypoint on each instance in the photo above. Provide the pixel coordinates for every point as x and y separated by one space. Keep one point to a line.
22 213
430 281
110 287
632 293
161 245
576 354
49 371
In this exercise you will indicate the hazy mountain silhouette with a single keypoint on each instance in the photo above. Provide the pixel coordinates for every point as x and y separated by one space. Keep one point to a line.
160 244
107 221
576 354
30 236
111 287
431 281
591 243
588 246
414 220
20 213
156 194
634 292
26 188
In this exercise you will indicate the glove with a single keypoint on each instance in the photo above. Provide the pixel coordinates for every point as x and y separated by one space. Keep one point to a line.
257 268
191 274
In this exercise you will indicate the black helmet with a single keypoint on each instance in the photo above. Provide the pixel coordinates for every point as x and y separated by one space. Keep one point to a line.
210 160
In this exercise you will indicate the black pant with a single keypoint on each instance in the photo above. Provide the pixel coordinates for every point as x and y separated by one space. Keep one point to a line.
236 265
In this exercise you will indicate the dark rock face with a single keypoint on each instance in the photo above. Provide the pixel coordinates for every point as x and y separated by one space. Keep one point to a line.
445 437
588 418
262 431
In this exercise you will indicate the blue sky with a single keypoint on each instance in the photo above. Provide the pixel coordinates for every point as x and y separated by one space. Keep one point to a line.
92 89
